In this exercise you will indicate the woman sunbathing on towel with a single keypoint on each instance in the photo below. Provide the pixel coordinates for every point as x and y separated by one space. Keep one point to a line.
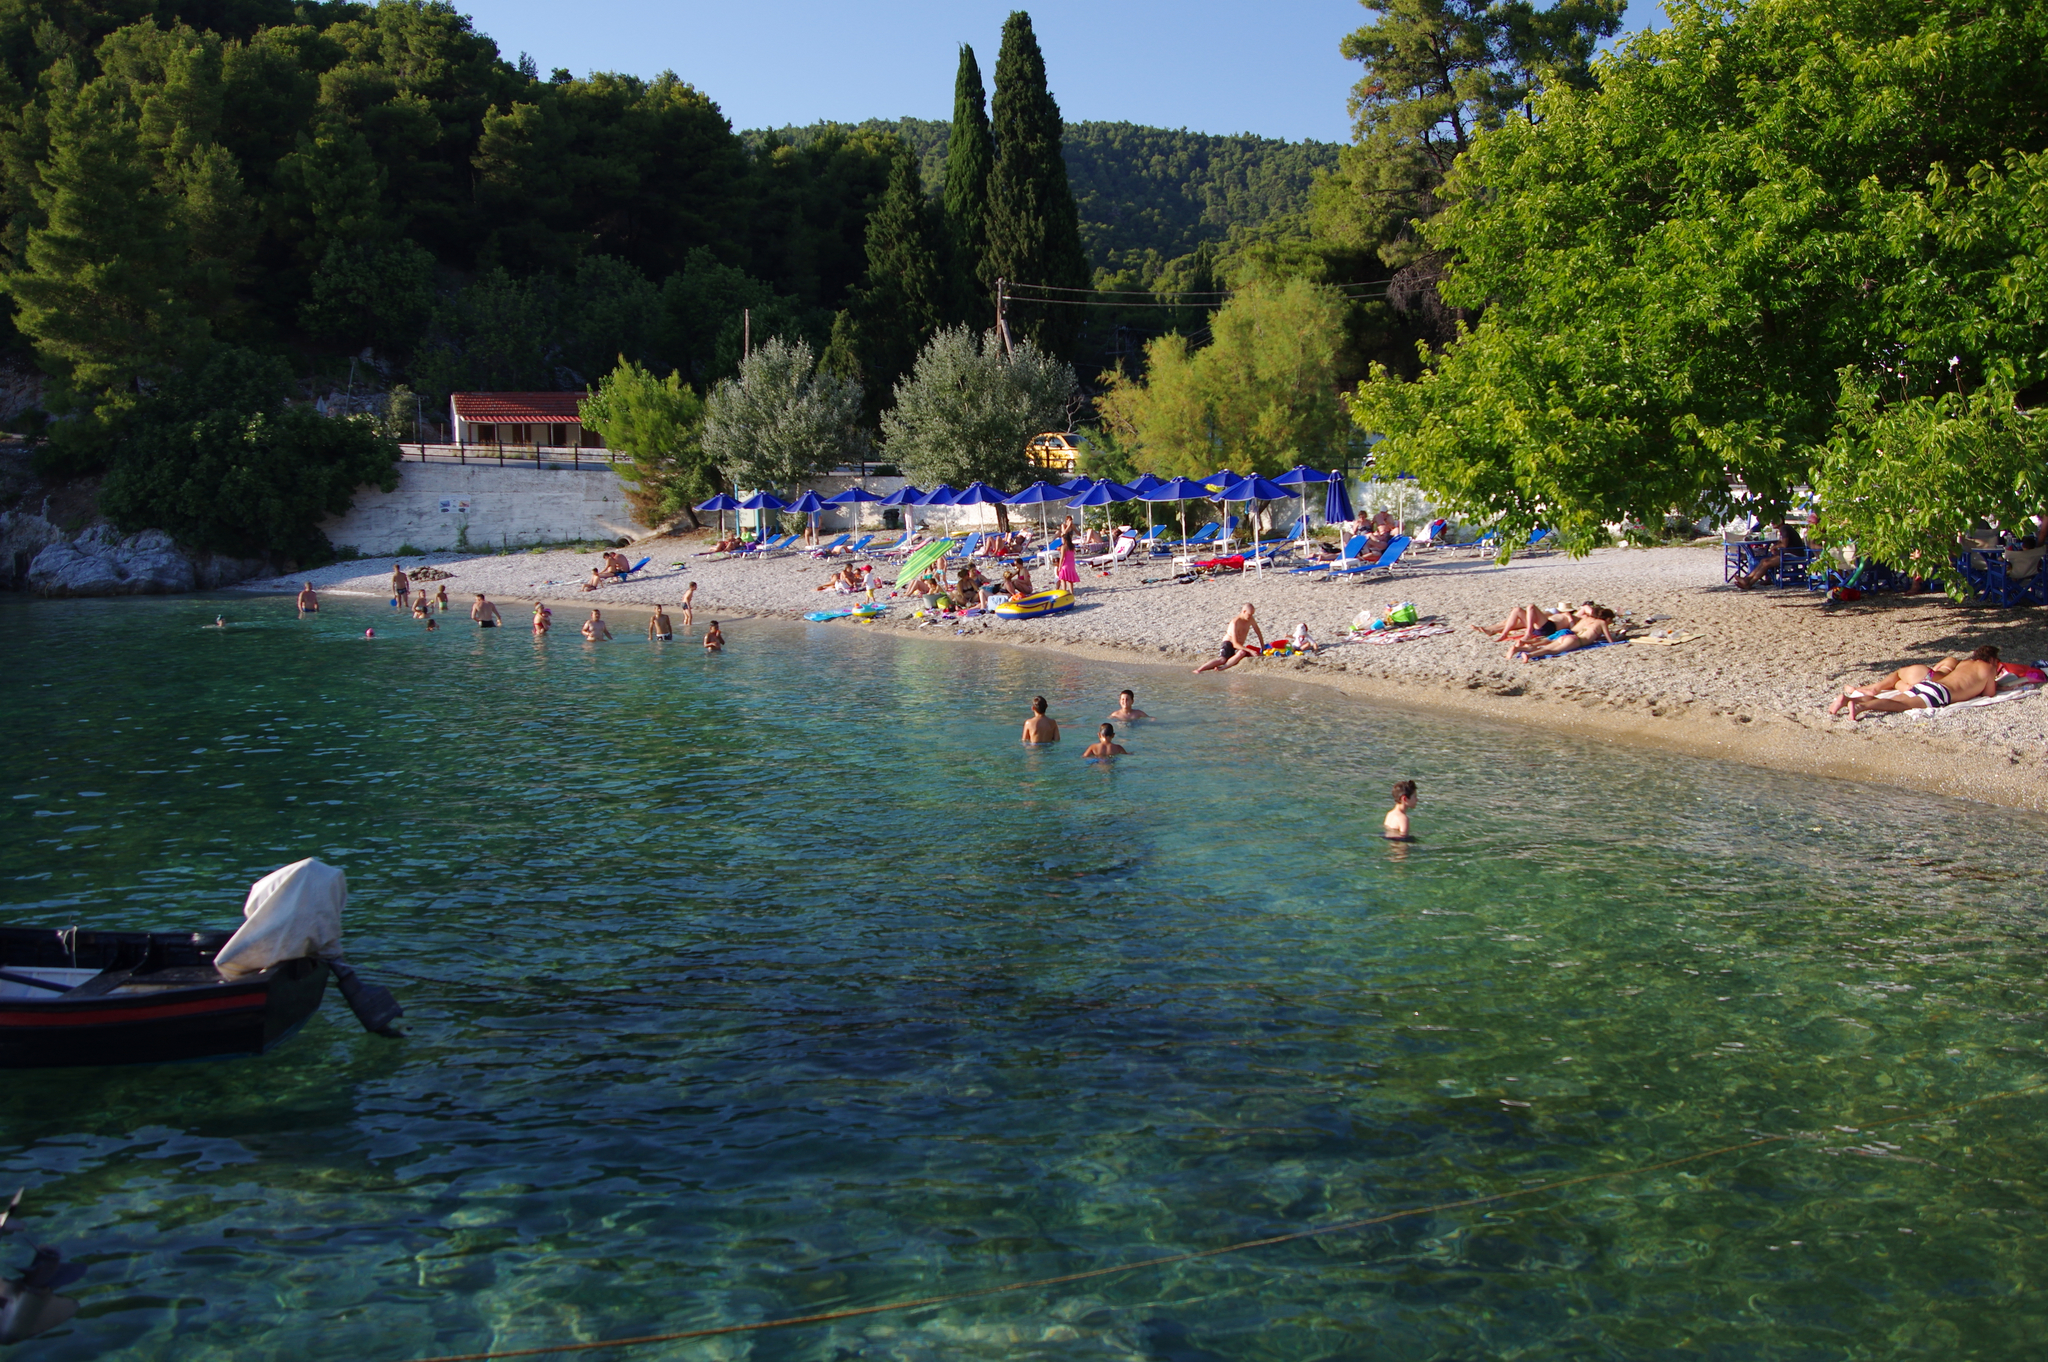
1594 626
1531 621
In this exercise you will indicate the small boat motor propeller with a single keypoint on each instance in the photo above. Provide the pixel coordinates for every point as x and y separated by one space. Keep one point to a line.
373 1004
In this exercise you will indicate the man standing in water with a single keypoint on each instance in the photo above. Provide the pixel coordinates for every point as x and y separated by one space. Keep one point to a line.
659 626
689 599
1038 728
1235 649
401 587
308 602
484 613
595 629
714 639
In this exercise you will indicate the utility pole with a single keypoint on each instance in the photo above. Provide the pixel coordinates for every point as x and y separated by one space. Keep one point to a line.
1002 322
746 332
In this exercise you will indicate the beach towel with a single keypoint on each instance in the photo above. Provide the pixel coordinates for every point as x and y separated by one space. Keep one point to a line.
2004 694
1554 657
1668 638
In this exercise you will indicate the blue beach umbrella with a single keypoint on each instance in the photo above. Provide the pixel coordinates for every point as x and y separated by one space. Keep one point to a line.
853 496
1219 480
1299 475
942 495
979 493
1182 490
1038 494
1076 486
1144 483
1255 488
808 504
721 504
906 495
763 501
1108 493
1337 501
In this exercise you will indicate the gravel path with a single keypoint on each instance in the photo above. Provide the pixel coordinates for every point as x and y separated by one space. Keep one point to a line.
1753 687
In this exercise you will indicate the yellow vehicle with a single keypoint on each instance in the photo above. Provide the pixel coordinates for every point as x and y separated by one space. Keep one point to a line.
1055 451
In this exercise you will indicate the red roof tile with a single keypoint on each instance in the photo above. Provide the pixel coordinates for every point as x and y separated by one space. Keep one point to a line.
562 409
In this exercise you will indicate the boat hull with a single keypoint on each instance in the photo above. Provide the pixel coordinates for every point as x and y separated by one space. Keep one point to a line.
169 1004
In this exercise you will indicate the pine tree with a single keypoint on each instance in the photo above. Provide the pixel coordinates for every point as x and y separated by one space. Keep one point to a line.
902 299
1034 232
970 155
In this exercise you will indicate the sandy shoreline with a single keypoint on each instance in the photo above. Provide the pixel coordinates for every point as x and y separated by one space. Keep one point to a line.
1753 688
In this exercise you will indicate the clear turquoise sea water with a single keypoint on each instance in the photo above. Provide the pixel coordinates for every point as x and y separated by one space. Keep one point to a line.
787 981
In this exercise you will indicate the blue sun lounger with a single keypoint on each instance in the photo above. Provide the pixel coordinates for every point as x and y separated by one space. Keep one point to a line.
1384 563
821 550
1353 546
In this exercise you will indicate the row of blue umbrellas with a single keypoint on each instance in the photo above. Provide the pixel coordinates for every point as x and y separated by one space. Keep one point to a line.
1224 486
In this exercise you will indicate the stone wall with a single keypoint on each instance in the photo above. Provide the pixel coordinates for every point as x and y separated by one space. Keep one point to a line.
447 505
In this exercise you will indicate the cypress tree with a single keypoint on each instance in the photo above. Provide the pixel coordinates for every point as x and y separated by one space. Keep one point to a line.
1034 231
902 300
970 155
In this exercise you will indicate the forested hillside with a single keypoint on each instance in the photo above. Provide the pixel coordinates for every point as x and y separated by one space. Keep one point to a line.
1146 195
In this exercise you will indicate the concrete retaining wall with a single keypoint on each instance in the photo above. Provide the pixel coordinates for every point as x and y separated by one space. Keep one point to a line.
436 503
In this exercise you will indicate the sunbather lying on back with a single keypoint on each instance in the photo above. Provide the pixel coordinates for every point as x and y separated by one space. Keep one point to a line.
1593 626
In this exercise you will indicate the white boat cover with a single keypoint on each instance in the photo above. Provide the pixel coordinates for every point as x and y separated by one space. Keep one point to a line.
290 913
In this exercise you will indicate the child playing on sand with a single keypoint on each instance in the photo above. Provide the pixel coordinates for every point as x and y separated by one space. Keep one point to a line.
1395 823
1302 642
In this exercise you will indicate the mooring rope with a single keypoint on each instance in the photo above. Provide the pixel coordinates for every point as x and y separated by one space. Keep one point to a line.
1341 1227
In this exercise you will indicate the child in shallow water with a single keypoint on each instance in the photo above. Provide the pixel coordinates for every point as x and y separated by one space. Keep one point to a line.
1395 824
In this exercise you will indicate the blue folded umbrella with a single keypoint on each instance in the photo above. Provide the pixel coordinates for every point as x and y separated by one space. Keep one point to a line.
1337 502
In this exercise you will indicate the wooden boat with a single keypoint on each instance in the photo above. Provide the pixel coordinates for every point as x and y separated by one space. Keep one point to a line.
72 997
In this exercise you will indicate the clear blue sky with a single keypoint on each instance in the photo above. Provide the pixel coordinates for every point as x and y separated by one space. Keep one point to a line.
1208 65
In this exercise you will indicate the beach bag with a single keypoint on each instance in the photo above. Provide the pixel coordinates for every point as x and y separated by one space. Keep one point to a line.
1404 613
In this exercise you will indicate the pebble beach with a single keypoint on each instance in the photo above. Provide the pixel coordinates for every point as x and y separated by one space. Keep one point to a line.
1751 686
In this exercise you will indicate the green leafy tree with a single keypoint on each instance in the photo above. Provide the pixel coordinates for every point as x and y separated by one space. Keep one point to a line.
1034 231
708 305
1679 266
781 421
658 425
500 334
1261 397
370 294
219 460
970 156
966 410
902 299
1438 73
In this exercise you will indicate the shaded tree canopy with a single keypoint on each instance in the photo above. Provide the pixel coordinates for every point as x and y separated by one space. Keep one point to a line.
1773 242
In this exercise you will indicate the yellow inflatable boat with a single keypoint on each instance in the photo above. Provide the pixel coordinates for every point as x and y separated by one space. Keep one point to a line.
1037 603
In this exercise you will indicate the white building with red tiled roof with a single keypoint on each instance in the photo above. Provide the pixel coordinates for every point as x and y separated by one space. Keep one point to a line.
527 419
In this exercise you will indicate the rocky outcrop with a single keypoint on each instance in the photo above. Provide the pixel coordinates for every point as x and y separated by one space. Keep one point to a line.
40 557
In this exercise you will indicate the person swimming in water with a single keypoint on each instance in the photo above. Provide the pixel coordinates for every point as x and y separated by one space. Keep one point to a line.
1039 729
1395 824
1105 744
1127 707
714 639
